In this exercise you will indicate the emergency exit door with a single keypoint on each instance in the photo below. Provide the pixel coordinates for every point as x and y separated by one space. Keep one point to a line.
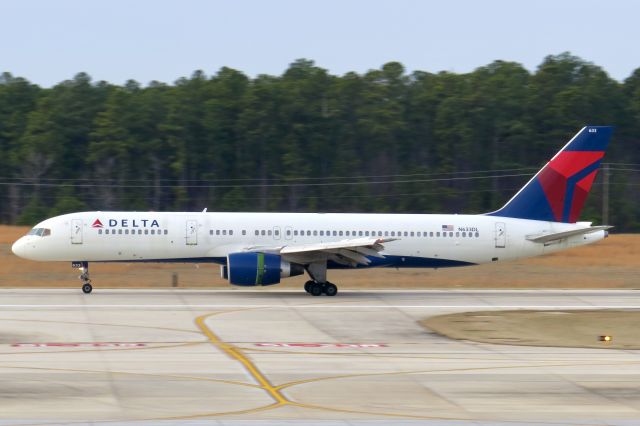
192 233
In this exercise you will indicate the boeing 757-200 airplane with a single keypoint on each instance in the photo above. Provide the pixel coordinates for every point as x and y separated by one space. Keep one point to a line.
256 249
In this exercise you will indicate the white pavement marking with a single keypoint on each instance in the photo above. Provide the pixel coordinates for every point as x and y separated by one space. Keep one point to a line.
319 306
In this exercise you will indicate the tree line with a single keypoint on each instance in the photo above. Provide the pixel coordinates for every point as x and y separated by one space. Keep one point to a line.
383 141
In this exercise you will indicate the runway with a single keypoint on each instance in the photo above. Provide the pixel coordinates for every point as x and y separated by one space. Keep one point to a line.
271 357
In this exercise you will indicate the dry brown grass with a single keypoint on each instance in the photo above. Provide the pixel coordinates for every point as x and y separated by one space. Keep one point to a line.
569 329
612 263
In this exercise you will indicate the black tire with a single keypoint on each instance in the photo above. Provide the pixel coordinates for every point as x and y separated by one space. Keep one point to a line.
330 289
315 289
87 288
307 286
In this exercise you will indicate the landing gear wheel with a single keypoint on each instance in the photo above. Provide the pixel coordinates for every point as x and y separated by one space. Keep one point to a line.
86 288
307 286
315 289
330 289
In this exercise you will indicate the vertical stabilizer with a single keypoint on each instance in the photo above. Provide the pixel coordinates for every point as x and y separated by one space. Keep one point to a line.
558 192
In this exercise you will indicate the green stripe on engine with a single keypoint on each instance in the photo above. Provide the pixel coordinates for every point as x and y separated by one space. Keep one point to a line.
260 269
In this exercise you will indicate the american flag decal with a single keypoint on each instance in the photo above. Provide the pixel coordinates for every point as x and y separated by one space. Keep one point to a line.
447 227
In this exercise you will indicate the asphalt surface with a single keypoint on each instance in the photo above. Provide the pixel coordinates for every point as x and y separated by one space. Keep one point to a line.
272 357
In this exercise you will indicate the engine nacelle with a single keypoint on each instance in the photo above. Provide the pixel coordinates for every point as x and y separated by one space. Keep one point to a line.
258 269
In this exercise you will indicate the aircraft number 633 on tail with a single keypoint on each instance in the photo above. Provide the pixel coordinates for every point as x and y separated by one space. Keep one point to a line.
257 249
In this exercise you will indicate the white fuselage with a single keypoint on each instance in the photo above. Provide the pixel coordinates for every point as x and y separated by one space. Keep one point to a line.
420 240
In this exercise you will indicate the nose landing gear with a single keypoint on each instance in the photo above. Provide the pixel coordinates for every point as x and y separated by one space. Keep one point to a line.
84 276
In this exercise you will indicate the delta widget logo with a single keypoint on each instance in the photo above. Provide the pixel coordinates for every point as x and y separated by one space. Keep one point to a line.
566 182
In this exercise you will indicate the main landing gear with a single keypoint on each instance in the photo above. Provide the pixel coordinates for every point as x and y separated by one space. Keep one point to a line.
316 289
84 276
318 284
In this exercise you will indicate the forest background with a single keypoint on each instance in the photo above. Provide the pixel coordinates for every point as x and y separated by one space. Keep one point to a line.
306 141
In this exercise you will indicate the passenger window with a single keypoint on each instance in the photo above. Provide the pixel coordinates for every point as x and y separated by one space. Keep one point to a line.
295 233
346 233
146 232
106 231
412 234
457 234
386 233
340 233
431 234
322 233
451 234
315 233
153 232
257 232
477 234
288 232
393 233
335 233
366 233
230 231
406 234
244 232
360 234
166 232
269 232
217 232
464 235
276 232
263 233
210 231
224 232
437 234
99 231
308 233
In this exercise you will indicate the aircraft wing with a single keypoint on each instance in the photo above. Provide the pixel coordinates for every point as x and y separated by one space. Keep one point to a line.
545 237
352 252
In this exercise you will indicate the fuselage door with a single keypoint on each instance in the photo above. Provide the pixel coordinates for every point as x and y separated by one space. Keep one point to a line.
76 231
192 233
501 235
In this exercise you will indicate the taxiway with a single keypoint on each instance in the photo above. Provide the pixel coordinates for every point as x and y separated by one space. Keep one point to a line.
148 356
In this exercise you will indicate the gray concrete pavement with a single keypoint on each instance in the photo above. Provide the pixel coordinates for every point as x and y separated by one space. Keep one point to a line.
195 357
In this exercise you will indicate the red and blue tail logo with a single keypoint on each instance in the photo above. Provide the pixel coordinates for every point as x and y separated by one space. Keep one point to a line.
558 192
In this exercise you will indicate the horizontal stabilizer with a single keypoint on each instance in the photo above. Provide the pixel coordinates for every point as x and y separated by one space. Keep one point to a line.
548 237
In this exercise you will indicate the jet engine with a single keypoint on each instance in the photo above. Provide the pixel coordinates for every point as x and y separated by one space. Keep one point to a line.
253 268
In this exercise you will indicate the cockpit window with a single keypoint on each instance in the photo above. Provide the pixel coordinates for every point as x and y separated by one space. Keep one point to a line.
40 232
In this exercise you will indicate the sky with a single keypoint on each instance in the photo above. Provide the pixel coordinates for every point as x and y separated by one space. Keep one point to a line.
48 41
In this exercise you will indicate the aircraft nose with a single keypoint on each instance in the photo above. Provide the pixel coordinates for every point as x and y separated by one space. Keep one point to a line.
18 248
